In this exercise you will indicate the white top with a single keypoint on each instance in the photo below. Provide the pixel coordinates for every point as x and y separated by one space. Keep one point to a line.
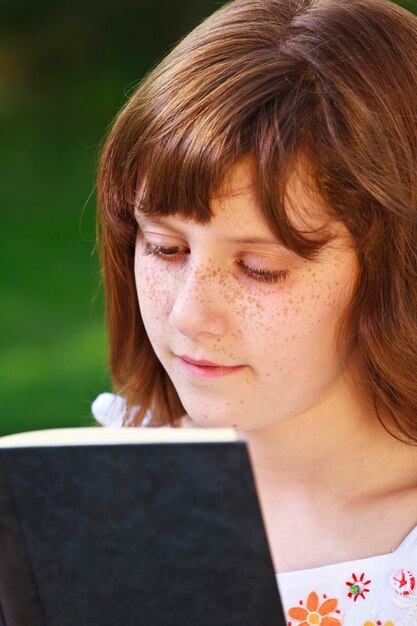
378 590
374 591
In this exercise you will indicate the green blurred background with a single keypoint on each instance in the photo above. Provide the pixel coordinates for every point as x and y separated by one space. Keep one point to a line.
65 70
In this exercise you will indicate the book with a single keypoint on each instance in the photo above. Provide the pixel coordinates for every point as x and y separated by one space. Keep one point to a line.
132 527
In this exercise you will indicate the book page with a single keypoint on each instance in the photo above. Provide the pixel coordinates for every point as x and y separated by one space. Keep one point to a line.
93 435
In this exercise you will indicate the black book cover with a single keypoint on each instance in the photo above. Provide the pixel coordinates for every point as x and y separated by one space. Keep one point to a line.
166 534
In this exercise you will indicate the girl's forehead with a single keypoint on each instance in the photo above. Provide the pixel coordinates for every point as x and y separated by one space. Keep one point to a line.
241 182
304 205
236 218
240 179
234 205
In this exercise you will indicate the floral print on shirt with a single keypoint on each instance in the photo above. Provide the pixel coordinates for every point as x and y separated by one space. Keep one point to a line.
357 587
314 612
368 623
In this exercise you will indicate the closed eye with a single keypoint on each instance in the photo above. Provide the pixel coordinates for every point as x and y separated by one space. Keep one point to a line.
263 275
160 251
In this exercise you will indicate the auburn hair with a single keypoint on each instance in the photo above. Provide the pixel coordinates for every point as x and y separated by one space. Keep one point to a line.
329 82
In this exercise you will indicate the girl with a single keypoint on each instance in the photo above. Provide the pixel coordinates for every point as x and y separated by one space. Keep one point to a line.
257 201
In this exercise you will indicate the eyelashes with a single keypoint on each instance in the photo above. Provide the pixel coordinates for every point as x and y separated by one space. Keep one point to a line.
262 275
172 254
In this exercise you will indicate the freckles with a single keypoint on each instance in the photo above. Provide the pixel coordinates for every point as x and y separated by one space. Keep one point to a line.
153 291
245 309
249 312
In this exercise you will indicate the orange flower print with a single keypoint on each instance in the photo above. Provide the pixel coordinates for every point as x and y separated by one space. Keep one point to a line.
378 623
314 612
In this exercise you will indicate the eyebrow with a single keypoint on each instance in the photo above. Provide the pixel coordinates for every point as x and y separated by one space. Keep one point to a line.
239 240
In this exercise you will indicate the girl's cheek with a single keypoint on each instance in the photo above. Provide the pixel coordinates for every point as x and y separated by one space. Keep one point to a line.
154 290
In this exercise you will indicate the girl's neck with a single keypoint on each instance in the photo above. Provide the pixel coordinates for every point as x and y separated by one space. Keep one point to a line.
333 473
336 449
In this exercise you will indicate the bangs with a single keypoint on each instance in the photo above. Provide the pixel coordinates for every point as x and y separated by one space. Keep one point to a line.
185 169
187 134
277 83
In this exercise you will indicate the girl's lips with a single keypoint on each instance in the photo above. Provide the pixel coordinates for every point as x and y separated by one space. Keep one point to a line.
200 361
203 369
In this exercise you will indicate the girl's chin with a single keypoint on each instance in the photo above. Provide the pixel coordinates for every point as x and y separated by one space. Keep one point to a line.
207 421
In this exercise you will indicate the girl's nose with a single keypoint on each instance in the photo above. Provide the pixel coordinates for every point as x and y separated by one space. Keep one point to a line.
198 306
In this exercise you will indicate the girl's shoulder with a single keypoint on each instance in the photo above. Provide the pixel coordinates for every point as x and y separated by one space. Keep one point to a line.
109 410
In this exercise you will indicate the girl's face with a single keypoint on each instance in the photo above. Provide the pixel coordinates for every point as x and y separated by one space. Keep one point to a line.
229 293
